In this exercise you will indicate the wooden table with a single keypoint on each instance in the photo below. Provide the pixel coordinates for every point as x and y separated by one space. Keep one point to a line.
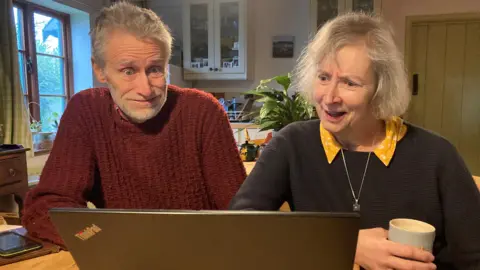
61 260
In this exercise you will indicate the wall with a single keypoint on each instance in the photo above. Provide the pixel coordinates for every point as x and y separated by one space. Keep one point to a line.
267 18
170 11
82 67
92 8
395 11
89 6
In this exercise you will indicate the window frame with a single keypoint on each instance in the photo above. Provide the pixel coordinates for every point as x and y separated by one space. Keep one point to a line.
30 53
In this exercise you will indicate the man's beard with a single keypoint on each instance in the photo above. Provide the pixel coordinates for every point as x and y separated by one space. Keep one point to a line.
140 115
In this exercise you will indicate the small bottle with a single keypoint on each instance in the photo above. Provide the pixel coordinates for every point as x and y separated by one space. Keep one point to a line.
234 105
234 108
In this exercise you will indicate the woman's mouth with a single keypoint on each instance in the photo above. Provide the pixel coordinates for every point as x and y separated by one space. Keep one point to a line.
334 116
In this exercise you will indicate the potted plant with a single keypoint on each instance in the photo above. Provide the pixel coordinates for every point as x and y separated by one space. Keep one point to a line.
279 108
43 140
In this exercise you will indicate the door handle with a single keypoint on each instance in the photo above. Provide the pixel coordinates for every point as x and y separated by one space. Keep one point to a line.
415 85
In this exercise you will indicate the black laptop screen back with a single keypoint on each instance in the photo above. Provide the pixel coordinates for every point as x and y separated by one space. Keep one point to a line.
208 240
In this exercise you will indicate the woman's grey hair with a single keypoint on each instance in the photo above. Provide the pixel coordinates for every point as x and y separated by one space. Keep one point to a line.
141 22
392 95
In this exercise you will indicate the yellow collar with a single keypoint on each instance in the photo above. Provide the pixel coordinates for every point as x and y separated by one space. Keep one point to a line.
395 130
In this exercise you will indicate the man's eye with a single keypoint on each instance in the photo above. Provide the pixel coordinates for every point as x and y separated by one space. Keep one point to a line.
156 70
128 71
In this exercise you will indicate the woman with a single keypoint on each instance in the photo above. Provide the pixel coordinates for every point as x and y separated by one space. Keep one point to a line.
361 156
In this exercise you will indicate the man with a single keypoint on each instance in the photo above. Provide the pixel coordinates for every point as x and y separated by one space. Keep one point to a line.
139 143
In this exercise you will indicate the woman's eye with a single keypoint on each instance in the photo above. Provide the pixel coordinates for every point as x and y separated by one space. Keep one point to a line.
323 78
128 71
351 84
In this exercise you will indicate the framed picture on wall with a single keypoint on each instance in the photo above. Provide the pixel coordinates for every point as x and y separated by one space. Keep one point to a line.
283 46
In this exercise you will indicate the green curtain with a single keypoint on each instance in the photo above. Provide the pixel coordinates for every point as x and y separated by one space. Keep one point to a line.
13 113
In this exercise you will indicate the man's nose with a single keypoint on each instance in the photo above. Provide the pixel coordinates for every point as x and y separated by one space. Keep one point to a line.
144 87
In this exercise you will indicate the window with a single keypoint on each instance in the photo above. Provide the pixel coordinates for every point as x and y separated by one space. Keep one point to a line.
44 51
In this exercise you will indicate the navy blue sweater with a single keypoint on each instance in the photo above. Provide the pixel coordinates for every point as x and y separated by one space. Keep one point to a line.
426 180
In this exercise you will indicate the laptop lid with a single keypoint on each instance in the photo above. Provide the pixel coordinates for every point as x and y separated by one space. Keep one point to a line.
213 240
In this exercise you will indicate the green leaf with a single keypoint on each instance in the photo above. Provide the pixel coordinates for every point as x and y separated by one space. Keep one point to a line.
267 108
269 125
283 80
266 81
279 108
263 94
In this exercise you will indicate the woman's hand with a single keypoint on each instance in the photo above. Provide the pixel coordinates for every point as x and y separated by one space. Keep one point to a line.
374 252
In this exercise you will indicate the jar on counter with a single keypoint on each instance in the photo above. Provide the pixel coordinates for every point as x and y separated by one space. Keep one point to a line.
248 151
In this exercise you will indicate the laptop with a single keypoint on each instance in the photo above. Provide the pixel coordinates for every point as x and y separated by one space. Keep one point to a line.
213 240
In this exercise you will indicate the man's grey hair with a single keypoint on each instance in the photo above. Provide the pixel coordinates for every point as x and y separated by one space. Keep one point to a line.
392 95
140 22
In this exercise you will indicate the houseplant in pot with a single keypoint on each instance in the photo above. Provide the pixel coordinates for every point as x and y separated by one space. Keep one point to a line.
279 108
43 134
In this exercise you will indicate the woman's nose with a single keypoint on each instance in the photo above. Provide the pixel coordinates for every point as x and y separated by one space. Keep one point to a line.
331 93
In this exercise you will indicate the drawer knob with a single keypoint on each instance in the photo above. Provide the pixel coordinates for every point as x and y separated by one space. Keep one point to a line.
12 172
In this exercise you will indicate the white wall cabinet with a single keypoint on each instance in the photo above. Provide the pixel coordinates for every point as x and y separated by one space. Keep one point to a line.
215 39
322 11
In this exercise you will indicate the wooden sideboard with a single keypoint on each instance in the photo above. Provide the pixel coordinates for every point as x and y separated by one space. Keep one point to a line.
13 175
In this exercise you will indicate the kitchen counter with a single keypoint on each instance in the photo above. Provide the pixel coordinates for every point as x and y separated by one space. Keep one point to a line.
236 125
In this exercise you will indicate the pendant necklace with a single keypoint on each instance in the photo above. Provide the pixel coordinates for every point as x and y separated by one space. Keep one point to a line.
356 205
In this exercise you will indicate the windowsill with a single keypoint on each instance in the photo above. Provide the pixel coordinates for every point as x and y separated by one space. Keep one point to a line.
41 152
35 165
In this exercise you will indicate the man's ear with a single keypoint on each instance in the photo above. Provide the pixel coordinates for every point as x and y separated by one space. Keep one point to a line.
99 73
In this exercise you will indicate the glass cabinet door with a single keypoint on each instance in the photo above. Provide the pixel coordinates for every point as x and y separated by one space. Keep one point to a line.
323 10
229 39
199 25
326 10
367 6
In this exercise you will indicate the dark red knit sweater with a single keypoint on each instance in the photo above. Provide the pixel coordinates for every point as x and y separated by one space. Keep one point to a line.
184 158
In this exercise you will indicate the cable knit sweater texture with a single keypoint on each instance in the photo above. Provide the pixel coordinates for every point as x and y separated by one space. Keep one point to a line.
183 158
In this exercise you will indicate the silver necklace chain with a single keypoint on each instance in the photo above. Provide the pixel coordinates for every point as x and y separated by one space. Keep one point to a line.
356 205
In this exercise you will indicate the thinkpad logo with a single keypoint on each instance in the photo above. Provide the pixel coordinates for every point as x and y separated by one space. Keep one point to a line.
88 232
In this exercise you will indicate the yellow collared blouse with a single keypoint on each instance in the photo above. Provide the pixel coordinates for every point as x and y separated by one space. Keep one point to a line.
395 130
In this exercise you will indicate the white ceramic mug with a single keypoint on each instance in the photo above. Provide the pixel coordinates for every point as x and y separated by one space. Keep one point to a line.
412 232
